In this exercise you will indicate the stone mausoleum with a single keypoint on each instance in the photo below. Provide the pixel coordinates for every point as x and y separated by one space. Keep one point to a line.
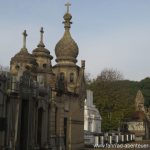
139 122
92 119
42 105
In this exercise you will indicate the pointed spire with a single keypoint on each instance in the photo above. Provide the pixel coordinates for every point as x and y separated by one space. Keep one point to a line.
24 41
41 44
67 17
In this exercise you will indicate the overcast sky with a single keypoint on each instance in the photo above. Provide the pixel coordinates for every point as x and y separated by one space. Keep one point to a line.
110 33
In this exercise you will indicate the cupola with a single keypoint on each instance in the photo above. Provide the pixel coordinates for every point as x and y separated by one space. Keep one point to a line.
66 49
41 50
22 60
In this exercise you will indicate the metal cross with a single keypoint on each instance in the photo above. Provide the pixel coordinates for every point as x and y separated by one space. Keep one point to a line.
68 5
24 38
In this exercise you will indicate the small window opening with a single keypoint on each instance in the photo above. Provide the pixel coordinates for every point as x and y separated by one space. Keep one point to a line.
71 77
17 67
27 67
44 65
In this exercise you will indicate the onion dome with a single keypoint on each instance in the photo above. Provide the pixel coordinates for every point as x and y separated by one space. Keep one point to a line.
41 50
66 49
23 56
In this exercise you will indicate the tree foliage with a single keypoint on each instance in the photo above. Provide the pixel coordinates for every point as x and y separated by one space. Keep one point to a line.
114 102
145 88
110 75
114 97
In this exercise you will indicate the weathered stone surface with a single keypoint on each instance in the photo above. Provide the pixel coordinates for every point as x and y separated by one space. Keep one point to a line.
44 103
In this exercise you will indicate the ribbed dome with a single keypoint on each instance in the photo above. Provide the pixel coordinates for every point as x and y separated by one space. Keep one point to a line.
42 51
67 49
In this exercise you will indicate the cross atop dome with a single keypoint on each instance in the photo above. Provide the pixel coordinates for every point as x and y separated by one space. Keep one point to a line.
24 38
41 44
68 6
42 32
67 17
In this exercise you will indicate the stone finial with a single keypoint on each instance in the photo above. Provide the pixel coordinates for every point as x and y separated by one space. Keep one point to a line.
41 44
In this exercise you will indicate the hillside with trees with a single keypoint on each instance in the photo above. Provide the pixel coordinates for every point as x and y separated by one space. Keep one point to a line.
114 96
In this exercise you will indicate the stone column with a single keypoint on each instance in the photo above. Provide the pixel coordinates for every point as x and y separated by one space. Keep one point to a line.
117 138
130 137
110 138
133 136
127 138
60 130
96 140
101 139
51 124
122 138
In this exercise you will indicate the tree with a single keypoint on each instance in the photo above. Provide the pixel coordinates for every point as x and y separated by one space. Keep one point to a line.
109 75
112 97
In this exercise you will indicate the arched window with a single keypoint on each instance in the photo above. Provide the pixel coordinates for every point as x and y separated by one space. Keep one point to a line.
62 76
71 77
61 83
